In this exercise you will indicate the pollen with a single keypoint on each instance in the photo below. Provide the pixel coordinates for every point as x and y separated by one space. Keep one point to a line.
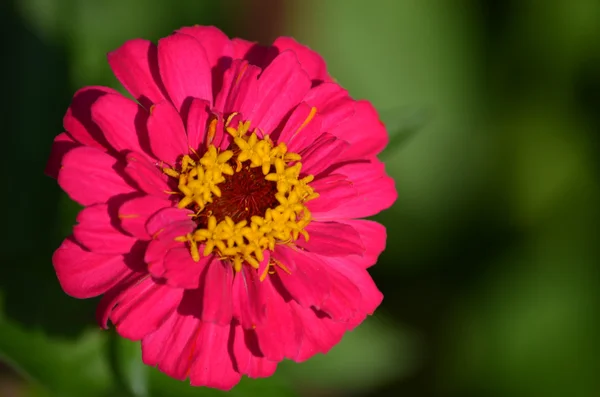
245 200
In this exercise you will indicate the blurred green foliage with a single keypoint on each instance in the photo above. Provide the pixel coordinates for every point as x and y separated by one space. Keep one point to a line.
491 274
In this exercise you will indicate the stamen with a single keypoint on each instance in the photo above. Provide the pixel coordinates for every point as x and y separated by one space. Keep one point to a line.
231 223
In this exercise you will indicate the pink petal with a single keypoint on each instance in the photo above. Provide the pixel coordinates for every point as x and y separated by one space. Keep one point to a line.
280 335
146 175
308 283
181 270
78 119
254 53
197 122
184 68
247 358
217 304
169 219
143 307
83 274
281 86
322 153
216 43
164 226
88 176
333 190
364 131
121 120
375 191
370 296
218 48
344 298
320 332
172 345
332 239
135 64
96 231
249 299
373 237
62 145
167 135
301 128
312 63
240 89
333 102
134 213
212 365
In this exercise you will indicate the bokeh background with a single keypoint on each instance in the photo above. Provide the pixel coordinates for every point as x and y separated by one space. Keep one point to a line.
491 274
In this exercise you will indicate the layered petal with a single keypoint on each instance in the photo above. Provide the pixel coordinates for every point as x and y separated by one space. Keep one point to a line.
134 214
63 144
212 365
376 191
84 274
312 63
166 132
184 69
281 86
141 308
78 119
89 176
135 64
98 231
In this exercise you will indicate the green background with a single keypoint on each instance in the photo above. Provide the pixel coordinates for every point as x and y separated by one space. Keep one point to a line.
491 274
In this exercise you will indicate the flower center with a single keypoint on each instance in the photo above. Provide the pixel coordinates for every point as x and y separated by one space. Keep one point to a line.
245 199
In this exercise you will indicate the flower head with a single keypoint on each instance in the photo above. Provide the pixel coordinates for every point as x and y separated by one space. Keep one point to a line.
220 222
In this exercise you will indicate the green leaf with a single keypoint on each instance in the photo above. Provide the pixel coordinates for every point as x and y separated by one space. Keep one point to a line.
130 372
58 366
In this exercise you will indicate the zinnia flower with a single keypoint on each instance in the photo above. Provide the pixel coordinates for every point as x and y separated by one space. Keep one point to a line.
220 222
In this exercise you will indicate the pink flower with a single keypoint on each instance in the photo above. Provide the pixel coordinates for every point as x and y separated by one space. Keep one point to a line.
220 222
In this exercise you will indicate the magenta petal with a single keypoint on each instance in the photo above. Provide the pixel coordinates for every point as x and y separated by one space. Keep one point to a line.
197 122
373 237
119 119
312 63
184 68
302 127
376 191
88 176
308 283
216 44
135 65
143 307
364 131
334 190
247 356
96 231
146 175
322 153
134 213
332 239
212 365
370 296
172 345
83 274
281 86
167 135
240 89
168 219
78 119
280 335
217 303
249 298
344 299
63 144
181 270
320 332
334 104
